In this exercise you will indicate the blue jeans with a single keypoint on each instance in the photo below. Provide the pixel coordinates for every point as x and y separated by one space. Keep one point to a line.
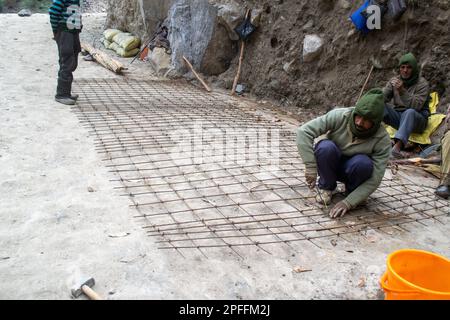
332 166
406 122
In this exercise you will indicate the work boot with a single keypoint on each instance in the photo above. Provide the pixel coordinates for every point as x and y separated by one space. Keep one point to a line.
443 191
324 196
65 100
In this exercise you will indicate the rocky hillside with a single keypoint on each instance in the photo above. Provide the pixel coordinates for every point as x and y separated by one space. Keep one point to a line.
274 65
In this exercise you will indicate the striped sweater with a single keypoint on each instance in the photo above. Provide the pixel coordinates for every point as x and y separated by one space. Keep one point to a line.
65 15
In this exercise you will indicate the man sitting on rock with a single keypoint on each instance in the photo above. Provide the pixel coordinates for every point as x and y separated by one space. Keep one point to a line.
444 188
406 98
354 151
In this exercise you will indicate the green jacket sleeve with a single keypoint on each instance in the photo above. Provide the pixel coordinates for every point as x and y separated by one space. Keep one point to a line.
380 159
313 129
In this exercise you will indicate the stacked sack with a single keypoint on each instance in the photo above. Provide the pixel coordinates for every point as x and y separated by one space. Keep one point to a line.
123 43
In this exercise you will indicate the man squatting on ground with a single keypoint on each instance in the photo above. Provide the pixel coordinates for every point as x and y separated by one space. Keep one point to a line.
353 147
65 18
406 98
444 187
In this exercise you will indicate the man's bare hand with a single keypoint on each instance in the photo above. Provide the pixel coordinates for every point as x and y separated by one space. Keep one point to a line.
397 84
311 177
339 210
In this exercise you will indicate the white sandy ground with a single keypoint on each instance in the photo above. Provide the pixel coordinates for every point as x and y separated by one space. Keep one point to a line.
53 230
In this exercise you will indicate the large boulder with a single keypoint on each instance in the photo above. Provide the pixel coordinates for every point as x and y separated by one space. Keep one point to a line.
197 31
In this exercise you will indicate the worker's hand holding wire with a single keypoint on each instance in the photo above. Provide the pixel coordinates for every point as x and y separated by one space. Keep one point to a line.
339 210
311 177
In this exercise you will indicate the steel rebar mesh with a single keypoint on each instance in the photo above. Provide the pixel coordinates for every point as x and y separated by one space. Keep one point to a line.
205 173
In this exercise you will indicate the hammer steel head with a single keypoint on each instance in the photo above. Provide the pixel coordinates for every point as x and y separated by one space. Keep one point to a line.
76 292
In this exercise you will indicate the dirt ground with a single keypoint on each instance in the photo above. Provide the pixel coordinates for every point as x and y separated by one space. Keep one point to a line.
53 230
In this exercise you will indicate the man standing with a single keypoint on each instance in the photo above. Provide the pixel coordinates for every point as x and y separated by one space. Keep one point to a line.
65 18
406 98
355 151
444 188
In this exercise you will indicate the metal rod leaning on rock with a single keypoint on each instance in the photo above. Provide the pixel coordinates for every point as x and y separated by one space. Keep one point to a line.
241 58
196 74
102 58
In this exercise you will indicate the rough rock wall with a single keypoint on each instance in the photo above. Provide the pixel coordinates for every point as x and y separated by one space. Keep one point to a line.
140 17
274 66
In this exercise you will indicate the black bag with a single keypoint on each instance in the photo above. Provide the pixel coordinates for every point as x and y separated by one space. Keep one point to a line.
245 29
396 8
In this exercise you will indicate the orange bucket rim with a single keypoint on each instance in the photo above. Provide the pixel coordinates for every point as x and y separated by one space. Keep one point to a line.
410 283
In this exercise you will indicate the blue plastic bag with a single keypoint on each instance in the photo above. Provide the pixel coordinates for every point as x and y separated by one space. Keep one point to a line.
359 20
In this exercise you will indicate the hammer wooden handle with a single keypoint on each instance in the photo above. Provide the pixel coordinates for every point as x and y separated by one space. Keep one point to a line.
90 293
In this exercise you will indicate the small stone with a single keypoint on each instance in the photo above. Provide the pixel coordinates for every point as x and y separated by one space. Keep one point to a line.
24 13
312 47
287 66
90 189
38 69
308 25
351 33
240 88
344 4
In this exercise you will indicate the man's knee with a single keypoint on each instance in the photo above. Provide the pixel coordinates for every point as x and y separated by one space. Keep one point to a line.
327 148
409 114
361 165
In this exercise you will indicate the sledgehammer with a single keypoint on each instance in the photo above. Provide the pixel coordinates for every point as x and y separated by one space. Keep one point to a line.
85 288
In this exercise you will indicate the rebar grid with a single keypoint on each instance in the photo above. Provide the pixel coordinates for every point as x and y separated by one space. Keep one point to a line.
236 198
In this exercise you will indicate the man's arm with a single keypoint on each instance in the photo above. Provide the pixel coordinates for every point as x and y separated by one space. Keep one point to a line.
313 129
417 100
380 159
55 13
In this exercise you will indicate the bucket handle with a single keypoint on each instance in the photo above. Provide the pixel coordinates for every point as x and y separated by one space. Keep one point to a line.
383 284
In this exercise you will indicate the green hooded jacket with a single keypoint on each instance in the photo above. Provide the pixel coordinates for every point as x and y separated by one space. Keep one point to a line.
335 126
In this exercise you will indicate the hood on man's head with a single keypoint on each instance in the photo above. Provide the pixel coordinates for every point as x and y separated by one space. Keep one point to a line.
371 107
410 60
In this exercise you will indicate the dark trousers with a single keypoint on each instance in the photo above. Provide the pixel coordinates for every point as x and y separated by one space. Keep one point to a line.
68 49
332 166
406 122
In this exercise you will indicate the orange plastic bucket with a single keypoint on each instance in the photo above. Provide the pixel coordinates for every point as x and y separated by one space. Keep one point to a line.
416 275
